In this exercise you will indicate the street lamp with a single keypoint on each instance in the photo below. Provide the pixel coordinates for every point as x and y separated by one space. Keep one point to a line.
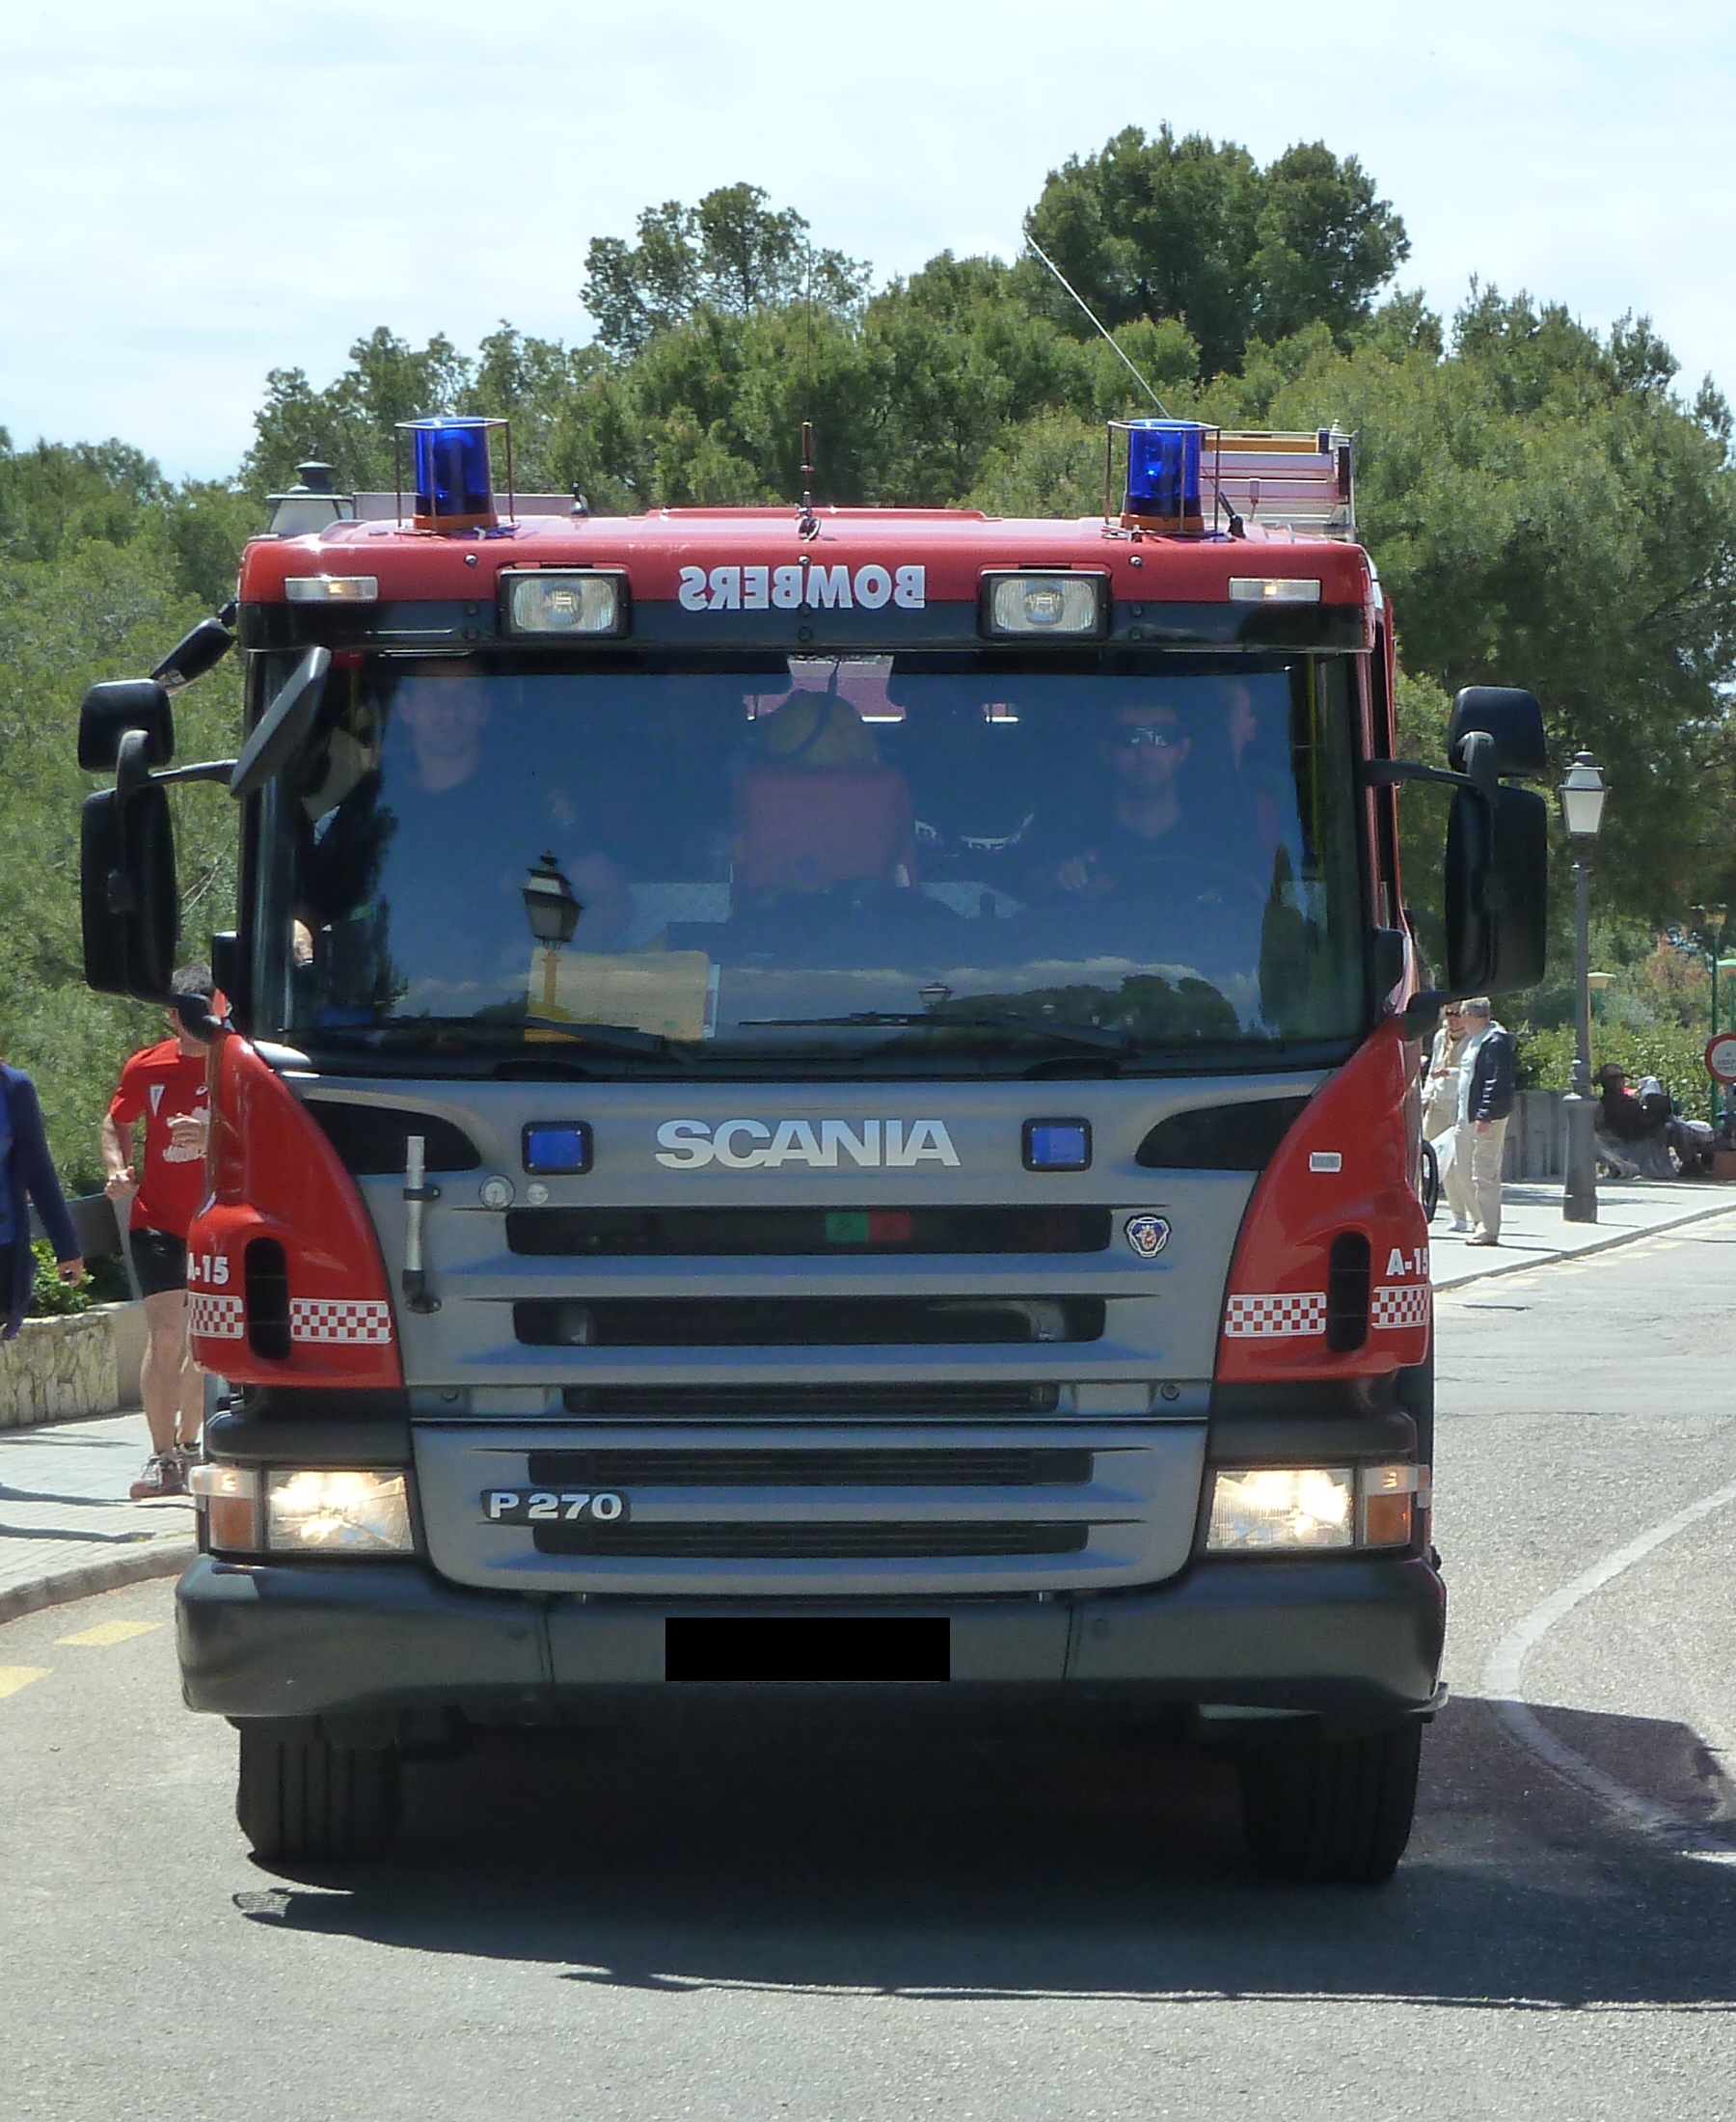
552 912
1584 794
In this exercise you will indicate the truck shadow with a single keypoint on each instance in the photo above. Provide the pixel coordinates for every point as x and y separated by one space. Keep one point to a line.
702 1847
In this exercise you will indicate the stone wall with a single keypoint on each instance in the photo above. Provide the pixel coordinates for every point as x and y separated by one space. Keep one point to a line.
59 1368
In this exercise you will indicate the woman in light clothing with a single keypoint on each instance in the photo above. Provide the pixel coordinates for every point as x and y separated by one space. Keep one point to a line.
1440 1108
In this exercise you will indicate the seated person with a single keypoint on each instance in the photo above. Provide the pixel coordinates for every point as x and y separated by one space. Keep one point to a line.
814 806
426 857
1138 825
1630 1139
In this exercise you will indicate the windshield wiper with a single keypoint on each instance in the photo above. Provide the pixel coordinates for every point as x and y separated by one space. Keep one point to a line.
1091 1036
465 1031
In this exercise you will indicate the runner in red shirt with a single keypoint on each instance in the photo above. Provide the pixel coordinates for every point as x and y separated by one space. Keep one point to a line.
165 1087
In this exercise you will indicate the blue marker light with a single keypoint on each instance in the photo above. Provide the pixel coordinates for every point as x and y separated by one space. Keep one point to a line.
449 471
555 1149
1163 471
1057 1145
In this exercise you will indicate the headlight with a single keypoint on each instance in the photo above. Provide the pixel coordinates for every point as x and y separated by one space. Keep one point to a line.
327 1514
1305 1510
579 603
1033 606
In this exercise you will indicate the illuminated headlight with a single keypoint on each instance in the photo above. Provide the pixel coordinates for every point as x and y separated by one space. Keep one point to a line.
1303 1510
310 1513
331 588
1274 589
566 604
1037 604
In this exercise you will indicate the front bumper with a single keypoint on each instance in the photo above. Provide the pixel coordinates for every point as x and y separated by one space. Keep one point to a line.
1358 1635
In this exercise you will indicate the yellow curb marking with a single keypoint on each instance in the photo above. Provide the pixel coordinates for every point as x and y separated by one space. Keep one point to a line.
107 1632
14 1677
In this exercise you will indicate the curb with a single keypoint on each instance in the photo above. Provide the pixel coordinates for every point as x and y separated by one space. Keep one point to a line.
165 1556
1582 1252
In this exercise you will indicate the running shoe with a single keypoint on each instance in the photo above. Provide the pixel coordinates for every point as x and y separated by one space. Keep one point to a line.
162 1476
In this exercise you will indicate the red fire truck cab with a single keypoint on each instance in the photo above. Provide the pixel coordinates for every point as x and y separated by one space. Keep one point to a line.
819 1097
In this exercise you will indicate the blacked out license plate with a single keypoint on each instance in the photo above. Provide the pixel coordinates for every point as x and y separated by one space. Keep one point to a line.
807 1646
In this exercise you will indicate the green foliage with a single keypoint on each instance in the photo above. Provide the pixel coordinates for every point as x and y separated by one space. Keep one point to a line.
1193 229
49 1297
1671 1053
731 255
102 568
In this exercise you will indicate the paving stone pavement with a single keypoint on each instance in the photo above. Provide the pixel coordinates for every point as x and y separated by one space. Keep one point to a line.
68 1528
67 1525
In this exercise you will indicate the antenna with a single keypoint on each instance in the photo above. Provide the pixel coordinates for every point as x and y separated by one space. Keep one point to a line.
1097 321
807 524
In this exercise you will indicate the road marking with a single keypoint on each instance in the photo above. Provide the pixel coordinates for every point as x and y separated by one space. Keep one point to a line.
109 1632
1504 1673
14 1677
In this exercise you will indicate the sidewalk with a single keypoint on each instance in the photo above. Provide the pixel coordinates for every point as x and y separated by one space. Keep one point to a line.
67 1530
1533 1231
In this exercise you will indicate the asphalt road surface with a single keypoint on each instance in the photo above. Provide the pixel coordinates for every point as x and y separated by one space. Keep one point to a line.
713 1916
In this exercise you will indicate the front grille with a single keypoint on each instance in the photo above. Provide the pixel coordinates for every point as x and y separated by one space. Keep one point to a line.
741 1542
795 1403
694 1233
803 1322
1017 1467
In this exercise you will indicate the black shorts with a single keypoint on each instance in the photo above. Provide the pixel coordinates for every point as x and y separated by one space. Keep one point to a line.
159 1261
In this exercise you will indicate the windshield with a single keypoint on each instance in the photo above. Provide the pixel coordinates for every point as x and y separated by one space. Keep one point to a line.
937 856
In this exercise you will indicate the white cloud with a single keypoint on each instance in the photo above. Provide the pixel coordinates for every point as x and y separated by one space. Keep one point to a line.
197 193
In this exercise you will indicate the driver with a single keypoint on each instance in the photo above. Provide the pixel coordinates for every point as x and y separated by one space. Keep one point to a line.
1135 823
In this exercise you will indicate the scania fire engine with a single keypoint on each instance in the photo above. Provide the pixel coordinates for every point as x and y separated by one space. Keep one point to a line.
818 1099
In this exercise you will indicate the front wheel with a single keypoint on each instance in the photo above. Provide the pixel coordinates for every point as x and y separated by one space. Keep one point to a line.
1335 1812
303 1800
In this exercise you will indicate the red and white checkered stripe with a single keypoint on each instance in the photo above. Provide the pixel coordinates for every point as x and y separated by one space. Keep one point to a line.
1398 1304
339 1319
216 1318
1281 1317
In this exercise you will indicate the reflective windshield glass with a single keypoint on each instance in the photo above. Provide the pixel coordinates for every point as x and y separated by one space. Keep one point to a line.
931 855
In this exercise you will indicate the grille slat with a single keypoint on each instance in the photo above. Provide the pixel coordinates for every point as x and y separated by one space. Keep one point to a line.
789 1403
803 1322
775 1468
722 1233
740 1542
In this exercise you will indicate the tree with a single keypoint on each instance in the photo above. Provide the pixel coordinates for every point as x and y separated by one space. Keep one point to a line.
730 254
1194 230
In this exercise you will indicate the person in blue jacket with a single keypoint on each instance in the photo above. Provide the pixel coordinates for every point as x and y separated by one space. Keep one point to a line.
28 1174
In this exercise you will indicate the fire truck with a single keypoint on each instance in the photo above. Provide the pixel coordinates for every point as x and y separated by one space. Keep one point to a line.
818 1100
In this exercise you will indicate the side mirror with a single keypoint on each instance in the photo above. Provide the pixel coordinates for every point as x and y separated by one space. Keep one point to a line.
1512 720
194 654
131 906
1497 890
110 710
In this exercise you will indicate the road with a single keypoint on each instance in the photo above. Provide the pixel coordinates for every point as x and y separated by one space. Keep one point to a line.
703 1916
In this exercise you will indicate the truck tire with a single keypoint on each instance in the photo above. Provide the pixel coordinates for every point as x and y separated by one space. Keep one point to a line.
1335 1812
302 1800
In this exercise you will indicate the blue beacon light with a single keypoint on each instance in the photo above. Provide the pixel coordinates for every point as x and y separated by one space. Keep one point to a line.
1057 1145
450 475
558 1147
1163 474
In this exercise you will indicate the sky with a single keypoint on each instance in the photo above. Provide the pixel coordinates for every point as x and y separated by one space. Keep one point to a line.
195 192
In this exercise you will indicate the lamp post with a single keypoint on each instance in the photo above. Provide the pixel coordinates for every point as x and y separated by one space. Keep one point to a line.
554 914
1582 796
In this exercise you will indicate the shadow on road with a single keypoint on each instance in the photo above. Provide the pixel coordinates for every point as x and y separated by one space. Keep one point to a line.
701 1846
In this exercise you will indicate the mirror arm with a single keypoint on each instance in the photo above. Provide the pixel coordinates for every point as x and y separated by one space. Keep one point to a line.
208 769
1388 772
